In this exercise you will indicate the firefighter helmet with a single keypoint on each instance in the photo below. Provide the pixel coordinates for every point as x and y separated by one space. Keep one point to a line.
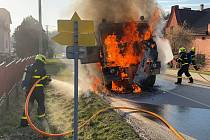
182 49
41 58
193 49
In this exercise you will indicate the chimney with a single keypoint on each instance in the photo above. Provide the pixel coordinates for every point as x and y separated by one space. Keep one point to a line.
175 7
202 7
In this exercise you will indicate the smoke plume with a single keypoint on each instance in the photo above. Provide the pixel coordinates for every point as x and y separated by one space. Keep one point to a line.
118 10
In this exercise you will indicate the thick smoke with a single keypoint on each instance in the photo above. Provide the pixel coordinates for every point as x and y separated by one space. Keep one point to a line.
118 10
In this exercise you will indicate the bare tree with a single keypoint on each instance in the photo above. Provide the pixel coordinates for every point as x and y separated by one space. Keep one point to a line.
180 36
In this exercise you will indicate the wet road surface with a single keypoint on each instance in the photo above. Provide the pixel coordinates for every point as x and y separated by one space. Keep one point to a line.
193 122
186 107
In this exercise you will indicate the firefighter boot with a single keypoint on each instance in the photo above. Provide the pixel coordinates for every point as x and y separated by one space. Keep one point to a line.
45 126
24 122
191 80
179 81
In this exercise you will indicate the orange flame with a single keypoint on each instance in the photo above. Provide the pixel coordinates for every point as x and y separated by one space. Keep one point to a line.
122 53
124 75
95 83
125 51
136 89
117 88
147 35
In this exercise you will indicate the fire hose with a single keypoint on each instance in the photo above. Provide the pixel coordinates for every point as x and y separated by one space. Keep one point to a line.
33 127
203 77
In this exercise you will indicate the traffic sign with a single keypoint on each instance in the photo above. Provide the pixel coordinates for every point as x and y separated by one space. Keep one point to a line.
85 26
66 38
86 36
87 55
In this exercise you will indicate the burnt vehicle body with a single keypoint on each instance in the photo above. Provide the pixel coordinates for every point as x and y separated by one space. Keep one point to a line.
142 74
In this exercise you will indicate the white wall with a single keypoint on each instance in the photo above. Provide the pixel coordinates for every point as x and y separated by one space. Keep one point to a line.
5 22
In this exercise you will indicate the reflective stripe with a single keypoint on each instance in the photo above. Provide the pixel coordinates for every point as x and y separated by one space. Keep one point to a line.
36 77
185 64
179 76
45 77
39 85
180 59
24 118
189 77
41 116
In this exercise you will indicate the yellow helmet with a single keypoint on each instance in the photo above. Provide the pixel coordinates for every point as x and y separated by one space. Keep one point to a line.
41 58
182 49
193 49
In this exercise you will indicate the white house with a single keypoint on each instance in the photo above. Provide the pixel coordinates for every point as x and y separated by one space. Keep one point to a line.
5 21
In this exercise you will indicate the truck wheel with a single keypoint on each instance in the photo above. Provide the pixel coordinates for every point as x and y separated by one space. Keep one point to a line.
149 82
109 85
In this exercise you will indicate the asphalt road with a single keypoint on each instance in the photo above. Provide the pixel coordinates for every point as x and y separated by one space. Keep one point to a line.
186 107
166 92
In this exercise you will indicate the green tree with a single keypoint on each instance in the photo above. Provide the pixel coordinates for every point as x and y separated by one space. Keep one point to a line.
27 37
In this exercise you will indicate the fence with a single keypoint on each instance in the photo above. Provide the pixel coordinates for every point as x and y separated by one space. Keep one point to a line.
10 76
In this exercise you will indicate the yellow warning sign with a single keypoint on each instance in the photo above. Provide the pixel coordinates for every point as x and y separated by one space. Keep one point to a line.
86 35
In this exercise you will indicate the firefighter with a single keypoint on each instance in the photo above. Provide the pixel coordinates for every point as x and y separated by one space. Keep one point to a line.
191 57
184 62
33 73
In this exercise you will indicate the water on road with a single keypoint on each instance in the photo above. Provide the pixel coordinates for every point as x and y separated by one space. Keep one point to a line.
191 121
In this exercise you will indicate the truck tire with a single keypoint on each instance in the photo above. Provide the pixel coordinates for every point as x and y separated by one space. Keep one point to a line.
108 85
149 82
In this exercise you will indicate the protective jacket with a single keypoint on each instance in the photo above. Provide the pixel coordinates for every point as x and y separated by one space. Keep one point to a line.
183 59
33 73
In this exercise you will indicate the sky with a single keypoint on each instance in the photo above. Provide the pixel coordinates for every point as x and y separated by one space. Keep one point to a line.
63 9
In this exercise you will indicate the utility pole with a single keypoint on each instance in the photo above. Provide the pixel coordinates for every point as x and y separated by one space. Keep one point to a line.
47 30
40 22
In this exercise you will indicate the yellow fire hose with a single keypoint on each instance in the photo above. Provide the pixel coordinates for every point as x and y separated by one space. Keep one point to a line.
203 77
33 127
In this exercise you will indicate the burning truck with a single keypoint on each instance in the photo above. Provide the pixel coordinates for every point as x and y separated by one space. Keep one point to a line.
127 55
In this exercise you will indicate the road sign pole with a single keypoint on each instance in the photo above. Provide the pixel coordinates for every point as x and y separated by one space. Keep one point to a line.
76 52
83 35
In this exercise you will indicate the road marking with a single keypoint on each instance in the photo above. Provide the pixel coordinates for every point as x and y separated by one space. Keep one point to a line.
187 98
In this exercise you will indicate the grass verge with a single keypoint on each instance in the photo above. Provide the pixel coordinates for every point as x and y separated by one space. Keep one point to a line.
107 126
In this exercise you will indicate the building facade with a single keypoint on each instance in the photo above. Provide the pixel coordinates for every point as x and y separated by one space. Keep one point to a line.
5 21
199 23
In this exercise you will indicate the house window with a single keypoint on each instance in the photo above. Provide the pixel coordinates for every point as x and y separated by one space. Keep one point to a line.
203 38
